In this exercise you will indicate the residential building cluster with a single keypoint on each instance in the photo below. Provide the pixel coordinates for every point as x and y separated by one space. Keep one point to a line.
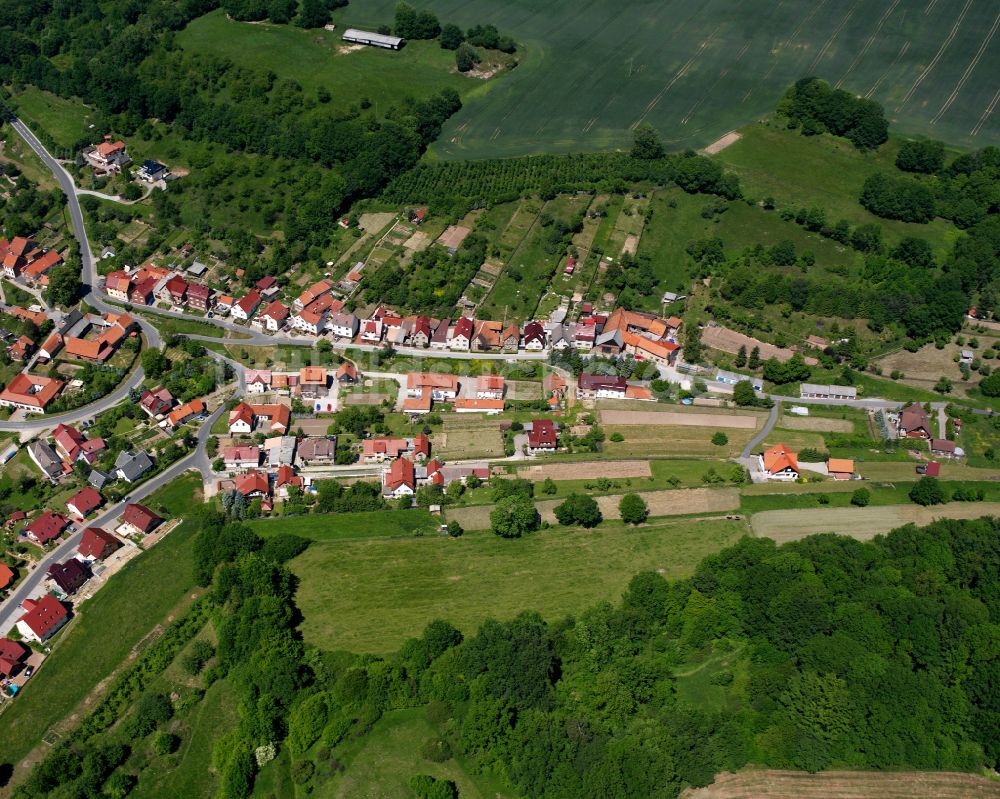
23 260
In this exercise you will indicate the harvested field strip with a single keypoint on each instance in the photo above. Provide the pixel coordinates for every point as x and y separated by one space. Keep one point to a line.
572 471
860 523
845 785
815 424
646 441
726 340
680 419
679 502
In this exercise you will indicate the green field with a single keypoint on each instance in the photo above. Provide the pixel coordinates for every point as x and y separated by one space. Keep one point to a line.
312 59
371 595
696 70
120 615
341 526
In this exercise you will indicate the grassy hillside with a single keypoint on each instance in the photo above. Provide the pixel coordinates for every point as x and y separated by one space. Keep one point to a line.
696 70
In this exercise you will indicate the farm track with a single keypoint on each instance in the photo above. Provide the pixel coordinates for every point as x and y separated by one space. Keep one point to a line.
868 43
968 70
937 56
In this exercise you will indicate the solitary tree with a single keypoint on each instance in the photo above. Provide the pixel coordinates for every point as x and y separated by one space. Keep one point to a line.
861 497
633 509
743 393
720 439
579 509
513 517
647 144
927 491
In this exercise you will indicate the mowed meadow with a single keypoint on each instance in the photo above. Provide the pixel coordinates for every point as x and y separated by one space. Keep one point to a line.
696 69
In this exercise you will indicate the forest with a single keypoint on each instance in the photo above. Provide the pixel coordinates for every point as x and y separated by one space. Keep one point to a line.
839 653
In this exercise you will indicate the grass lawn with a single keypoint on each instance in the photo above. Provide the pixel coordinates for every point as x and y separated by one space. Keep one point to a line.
108 627
823 171
343 526
169 325
311 58
679 440
381 763
65 121
402 584
16 295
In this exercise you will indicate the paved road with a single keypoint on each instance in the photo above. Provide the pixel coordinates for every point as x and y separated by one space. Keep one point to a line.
772 420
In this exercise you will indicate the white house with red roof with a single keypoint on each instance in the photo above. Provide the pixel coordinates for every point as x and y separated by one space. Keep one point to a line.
42 618
246 306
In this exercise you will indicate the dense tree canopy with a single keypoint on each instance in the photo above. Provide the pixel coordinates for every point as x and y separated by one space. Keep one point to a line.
815 107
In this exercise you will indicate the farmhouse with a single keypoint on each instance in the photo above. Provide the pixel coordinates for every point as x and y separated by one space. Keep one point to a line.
440 387
590 386
355 36
400 479
779 463
542 436
42 619
914 422
30 392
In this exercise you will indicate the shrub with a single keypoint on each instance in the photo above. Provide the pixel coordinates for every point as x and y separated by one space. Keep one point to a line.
164 742
302 771
194 661
436 750
927 491
720 439
438 711
616 437
861 497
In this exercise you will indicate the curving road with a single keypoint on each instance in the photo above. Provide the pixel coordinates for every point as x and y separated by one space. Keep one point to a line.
91 294
33 584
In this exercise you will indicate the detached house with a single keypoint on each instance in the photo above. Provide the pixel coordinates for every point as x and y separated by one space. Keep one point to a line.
422 332
543 437
156 403
42 619
534 337
590 386
247 306
140 519
253 485
68 576
97 544
84 502
914 422
258 381
177 289
273 317
400 479
47 527
118 285
131 466
779 463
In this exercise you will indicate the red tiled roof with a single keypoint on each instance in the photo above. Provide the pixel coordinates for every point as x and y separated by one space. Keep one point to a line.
543 434
85 500
141 517
34 390
44 615
97 543
47 527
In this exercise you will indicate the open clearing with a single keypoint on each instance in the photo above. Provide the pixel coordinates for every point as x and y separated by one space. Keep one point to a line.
697 70
613 470
845 785
860 523
722 338
405 583
679 419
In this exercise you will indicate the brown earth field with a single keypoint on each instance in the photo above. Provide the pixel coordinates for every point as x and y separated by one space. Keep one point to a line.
613 470
861 523
661 503
714 420
722 338
753 784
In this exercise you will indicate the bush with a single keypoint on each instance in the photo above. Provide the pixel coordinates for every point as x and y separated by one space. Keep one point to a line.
616 437
302 771
990 386
812 455
439 711
861 497
194 661
720 439
436 750
455 529
164 742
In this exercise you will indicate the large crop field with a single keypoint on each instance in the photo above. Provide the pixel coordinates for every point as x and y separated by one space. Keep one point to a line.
696 70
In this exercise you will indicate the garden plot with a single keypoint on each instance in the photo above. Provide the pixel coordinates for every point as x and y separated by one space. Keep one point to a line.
613 470
816 424
712 420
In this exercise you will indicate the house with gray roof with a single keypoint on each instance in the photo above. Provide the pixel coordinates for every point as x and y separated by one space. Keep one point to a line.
45 458
131 466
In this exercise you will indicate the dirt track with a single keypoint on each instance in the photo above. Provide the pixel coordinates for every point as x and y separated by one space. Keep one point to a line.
846 785
680 419
860 523
721 144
